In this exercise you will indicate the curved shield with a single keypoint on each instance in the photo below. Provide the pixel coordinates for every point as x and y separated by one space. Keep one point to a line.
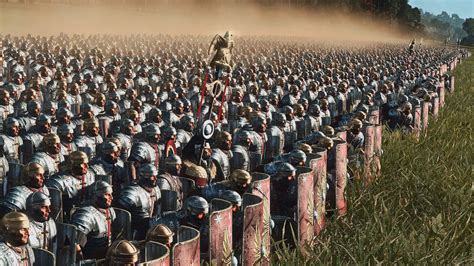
188 186
220 232
104 126
261 188
374 115
27 150
252 242
56 204
123 222
303 128
451 83
441 93
187 249
417 120
342 134
131 171
435 110
425 116
14 175
305 208
378 149
43 257
155 254
340 149
66 244
169 200
318 164
369 135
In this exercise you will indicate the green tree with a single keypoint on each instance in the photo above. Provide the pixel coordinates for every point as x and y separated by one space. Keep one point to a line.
468 26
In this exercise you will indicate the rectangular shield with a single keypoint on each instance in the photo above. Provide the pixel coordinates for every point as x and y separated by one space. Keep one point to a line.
435 110
261 188
104 127
56 204
252 242
169 200
425 116
340 148
155 254
374 115
369 136
302 129
220 232
305 207
124 222
75 109
319 163
66 244
417 120
451 83
441 93
43 257
342 134
378 149
187 249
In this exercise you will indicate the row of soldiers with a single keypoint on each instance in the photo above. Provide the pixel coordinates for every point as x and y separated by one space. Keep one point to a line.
141 138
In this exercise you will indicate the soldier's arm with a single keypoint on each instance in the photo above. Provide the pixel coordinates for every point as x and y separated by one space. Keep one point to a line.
163 184
13 201
84 223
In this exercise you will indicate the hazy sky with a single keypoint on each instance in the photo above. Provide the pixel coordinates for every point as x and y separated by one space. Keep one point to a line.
464 8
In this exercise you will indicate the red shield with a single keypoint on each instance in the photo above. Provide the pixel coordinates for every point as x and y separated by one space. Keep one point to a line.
441 93
341 175
369 152
452 83
374 116
305 211
261 188
435 110
156 254
342 134
417 120
187 249
220 232
314 161
425 116
378 149
252 242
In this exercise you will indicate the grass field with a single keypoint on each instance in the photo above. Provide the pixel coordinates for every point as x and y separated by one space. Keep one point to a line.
420 210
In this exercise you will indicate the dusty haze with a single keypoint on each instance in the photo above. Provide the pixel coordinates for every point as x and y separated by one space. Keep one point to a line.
192 18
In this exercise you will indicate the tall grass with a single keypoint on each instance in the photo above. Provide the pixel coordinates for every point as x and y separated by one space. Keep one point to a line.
420 210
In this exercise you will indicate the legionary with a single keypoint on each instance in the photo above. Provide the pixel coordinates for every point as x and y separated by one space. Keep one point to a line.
43 232
14 247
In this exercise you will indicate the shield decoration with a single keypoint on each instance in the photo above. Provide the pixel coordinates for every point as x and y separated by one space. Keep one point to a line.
435 110
369 151
169 200
56 204
441 93
27 150
305 208
43 257
220 232
14 175
340 149
188 186
425 116
66 244
252 242
104 126
124 221
378 132
417 120
187 249
261 188
156 254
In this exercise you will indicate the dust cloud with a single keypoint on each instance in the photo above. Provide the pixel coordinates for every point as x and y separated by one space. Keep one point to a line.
196 18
